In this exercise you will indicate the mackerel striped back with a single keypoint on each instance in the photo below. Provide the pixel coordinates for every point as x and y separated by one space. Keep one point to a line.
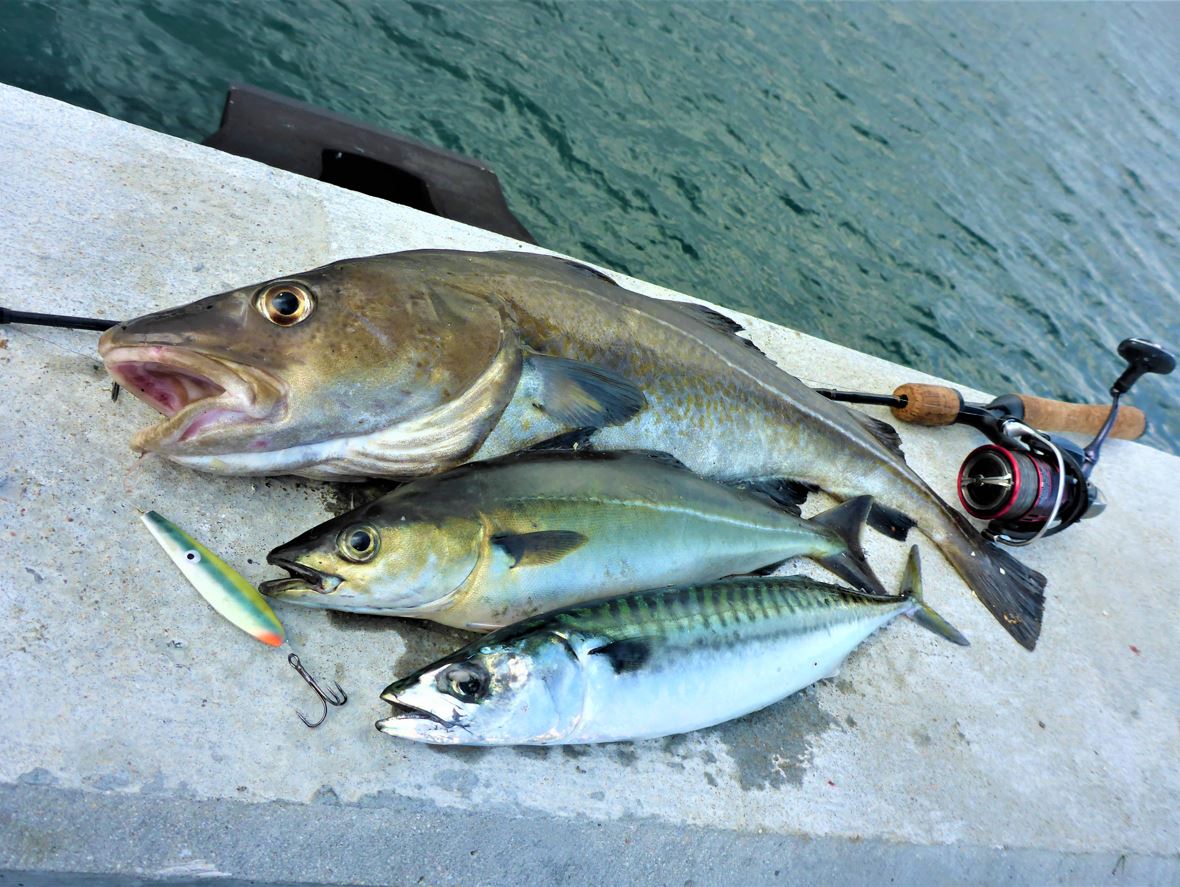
744 605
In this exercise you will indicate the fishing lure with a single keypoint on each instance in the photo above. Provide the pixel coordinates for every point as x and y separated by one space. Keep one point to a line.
234 598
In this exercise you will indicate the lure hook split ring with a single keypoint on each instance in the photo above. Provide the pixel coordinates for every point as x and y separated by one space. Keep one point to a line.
327 697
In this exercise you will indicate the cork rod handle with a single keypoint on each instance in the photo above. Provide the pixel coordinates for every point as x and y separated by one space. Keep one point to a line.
939 405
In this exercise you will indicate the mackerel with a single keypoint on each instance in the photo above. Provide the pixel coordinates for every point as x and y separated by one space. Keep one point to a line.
645 665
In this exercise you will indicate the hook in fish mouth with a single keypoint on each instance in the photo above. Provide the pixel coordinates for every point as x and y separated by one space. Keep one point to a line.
302 580
197 393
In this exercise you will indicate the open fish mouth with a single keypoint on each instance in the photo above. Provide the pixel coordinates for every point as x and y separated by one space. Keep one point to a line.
197 393
303 579
414 722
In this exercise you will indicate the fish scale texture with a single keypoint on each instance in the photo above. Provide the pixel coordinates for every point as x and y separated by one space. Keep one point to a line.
135 718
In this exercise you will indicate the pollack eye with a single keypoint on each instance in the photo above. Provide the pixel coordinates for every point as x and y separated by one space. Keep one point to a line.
466 681
359 543
285 304
192 556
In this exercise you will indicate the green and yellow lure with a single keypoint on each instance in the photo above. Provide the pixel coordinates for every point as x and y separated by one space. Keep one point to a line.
218 583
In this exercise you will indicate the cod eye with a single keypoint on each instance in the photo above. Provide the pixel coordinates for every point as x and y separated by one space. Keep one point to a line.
285 304
358 543
466 681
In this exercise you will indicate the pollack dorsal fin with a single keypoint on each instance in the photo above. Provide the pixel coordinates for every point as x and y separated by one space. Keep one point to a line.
782 492
584 395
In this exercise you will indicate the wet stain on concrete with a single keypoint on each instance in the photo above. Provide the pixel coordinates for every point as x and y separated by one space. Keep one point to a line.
327 796
359 621
626 756
574 751
532 751
465 753
461 782
772 748
425 643
341 498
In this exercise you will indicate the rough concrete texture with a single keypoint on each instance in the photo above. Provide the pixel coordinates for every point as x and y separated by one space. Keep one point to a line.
130 705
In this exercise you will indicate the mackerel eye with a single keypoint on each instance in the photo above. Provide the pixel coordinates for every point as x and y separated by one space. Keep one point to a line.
466 681
359 543
285 304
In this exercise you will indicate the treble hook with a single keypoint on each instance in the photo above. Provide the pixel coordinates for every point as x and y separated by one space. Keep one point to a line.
327 697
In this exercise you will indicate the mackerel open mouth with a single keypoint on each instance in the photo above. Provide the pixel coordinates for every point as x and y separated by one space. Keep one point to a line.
404 712
194 391
413 722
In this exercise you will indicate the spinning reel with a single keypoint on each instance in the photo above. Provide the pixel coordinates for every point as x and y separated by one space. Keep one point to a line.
1028 483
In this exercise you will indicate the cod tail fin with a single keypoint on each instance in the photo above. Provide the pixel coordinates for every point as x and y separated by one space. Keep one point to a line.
911 587
847 520
1012 592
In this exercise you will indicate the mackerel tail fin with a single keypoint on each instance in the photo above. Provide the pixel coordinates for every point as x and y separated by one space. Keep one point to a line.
847 520
1012 592
911 587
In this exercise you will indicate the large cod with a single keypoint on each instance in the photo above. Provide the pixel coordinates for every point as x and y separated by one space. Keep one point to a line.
411 363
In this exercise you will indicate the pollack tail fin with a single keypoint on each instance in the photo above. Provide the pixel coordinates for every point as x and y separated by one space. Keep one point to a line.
847 520
1012 592
911 587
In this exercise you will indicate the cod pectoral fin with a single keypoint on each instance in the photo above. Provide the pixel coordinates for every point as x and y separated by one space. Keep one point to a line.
580 394
537 549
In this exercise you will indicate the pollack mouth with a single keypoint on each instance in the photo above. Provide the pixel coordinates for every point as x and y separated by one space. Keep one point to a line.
194 391
302 580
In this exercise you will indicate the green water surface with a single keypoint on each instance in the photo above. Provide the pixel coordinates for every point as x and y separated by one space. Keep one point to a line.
986 192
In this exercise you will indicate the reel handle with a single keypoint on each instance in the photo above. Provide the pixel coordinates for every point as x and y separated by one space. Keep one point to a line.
939 405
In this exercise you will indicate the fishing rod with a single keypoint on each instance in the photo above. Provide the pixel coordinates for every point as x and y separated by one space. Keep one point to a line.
1028 483
7 315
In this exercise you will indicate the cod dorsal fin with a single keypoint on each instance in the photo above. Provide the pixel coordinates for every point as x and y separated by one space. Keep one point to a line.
885 433
717 321
584 395
538 549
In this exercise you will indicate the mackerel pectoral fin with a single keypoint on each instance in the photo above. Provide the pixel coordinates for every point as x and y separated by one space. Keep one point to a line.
890 522
786 493
1012 592
537 549
846 521
576 393
626 655
911 587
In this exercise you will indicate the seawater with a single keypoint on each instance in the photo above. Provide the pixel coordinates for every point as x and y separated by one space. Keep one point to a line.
990 193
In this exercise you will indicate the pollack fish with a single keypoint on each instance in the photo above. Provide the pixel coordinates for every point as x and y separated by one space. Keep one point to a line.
649 664
491 543
411 363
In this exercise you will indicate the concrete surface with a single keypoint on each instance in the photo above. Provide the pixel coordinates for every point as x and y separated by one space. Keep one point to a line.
145 738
